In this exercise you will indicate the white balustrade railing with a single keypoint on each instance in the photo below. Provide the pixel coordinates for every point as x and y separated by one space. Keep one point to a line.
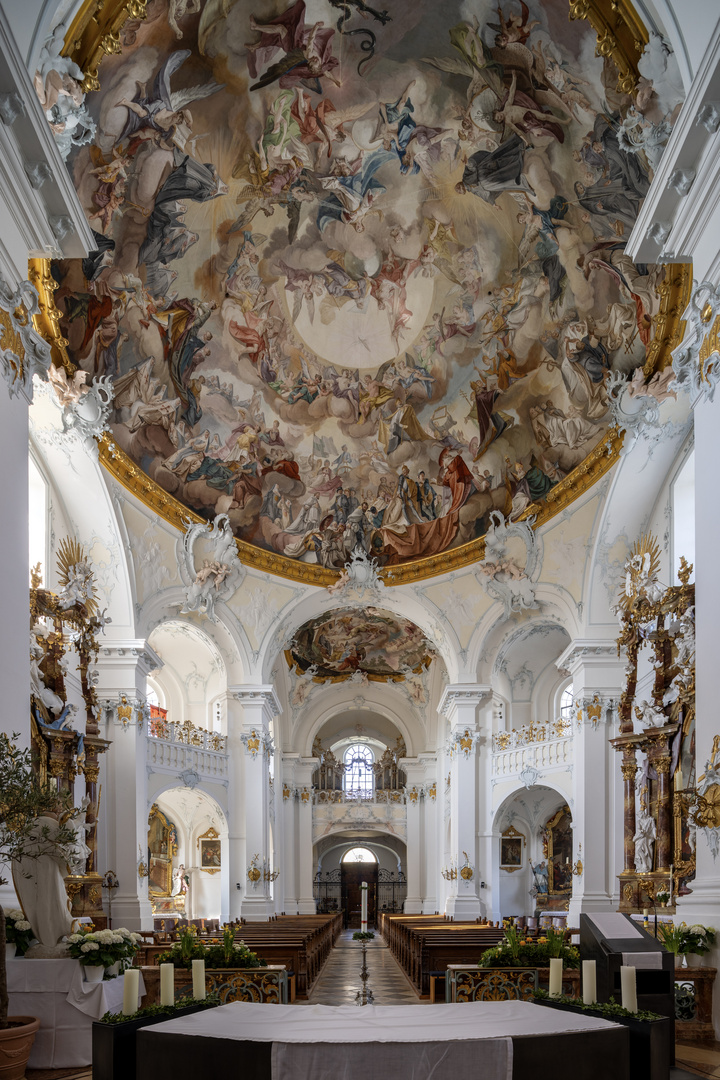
375 798
535 746
179 747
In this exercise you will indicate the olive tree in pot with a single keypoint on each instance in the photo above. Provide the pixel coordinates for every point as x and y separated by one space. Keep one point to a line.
23 799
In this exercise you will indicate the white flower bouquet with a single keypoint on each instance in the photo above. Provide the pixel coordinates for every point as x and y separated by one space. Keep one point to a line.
98 948
18 930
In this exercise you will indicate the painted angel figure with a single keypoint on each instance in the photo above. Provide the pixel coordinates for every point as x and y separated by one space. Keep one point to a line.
163 110
307 51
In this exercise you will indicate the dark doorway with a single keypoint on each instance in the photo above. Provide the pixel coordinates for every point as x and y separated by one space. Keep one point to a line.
353 874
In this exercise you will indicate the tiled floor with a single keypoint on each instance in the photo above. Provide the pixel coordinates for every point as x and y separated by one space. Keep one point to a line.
340 979
701 1058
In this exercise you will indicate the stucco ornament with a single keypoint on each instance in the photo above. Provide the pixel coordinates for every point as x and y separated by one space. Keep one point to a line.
85 407
706 812
360 576
220 574
501 574
696 375
635 405
23 352
58 85
649 715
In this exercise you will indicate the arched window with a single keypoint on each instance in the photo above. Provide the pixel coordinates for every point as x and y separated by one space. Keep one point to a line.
358 760
567 703
359 854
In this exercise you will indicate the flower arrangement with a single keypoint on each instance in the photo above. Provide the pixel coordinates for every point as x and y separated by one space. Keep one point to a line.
662 897
517 951
228 954
363 935
682 938
18 930
103 948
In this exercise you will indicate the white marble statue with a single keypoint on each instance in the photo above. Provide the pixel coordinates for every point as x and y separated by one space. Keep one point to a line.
40 887
649 715
644 840
58 85
79 853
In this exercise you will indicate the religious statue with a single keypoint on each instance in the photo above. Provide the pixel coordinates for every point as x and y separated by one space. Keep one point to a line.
39 881
644 839
79 853
179 881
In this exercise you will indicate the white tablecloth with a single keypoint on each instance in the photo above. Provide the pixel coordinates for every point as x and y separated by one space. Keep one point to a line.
54 991
377 1023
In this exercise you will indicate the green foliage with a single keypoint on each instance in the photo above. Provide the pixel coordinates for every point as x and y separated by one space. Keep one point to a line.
18 930
687 939
231 954
518 951
208 1002
363 935
609 1010
102 948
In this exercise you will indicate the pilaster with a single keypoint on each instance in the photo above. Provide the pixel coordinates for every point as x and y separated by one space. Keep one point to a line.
460 704
123 667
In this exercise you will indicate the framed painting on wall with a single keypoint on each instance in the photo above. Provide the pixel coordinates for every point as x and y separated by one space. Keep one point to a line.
511 850
210 852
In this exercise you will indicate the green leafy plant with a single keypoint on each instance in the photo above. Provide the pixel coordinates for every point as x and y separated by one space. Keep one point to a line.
518 951
671 937
682 938
610 1010
363 935
208 1002
229 954
23 799
18 931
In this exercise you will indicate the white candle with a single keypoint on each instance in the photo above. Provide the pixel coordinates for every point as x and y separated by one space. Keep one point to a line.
363 913
556 969
589 983
131 990
628 987
198 976
167 984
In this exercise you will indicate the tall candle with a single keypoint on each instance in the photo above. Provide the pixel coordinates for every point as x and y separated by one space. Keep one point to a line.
589 983
198 977
556 969
363 912
628 987
131 990
167 984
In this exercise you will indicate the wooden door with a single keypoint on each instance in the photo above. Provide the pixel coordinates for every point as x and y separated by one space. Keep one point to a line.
353 874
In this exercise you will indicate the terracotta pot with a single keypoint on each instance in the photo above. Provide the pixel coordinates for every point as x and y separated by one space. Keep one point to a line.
15 1046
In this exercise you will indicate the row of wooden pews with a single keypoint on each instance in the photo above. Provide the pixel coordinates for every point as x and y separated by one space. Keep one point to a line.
424 945
301 942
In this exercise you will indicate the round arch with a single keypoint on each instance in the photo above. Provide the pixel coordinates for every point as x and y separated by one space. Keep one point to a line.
380 698
225 634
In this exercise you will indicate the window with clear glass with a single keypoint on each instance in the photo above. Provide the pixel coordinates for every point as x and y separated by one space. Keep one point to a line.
37 515
359 854
358 760
566 703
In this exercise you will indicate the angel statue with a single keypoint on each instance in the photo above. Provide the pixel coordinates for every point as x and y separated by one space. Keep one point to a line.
163 111
219 576
644 840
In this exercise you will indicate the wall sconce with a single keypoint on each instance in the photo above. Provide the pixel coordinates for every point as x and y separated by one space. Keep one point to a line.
578 866
450 874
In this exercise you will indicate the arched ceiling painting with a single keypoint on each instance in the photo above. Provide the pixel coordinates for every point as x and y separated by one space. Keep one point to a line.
360 275
368 641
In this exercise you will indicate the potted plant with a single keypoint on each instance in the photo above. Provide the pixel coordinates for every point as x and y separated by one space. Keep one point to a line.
662 897
114 1035
23 799
515 950
103 952
228 954
686 941
18 933
648 1031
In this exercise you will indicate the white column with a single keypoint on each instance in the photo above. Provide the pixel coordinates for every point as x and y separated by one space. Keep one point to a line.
415 774
14 558
597 808
304 768
122 669
460 704
260 705
289 879
237 861
703 904
430 809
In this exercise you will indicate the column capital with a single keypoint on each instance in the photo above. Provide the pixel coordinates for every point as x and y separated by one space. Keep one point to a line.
594 653
459 698
135 652
263 698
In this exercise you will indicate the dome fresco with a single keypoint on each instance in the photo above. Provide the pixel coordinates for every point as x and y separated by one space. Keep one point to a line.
360 275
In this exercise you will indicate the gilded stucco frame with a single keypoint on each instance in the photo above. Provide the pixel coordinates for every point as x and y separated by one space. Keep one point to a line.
95 33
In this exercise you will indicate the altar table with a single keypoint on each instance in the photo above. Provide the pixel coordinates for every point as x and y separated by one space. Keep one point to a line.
504 1040
54 992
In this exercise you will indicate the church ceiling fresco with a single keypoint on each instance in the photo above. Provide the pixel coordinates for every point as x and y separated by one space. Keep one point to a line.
371 642
360 275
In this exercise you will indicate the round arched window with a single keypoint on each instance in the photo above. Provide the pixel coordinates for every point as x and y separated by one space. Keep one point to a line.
358 760
359 854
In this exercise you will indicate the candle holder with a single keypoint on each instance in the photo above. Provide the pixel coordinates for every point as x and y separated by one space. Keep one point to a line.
449 873
577 869
364 996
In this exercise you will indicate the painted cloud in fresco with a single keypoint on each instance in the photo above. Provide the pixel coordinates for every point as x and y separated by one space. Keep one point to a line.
360 274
